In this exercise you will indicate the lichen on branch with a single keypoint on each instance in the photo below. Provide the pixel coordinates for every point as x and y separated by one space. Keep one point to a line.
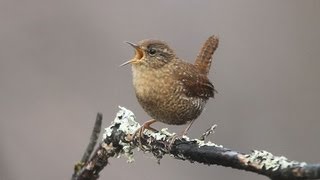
118 140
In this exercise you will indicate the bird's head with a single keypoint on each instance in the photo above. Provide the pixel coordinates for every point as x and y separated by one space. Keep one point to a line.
151 53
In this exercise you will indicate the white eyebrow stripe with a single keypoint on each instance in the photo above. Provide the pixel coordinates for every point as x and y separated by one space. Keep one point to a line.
165 50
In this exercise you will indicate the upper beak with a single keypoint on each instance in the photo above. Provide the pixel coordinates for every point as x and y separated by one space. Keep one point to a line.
138 52
132 44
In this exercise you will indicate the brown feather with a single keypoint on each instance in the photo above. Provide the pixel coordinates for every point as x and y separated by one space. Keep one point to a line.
195 83
204 58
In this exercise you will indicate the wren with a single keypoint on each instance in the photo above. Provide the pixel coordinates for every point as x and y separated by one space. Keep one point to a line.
169 89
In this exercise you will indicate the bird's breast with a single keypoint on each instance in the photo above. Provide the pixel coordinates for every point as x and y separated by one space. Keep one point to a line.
152 84
163 98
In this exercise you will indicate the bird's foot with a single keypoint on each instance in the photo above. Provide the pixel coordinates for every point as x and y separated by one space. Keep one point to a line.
172 139
139 132
183 133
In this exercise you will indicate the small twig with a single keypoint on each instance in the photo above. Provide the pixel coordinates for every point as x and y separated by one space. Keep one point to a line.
208 132
93 138
93 141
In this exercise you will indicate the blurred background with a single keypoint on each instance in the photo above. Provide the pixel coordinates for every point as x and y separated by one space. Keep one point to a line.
59 66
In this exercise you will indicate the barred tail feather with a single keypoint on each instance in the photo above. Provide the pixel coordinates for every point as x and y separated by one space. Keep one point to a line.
204 58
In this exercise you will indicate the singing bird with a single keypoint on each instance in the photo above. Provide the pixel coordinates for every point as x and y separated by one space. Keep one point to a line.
169 89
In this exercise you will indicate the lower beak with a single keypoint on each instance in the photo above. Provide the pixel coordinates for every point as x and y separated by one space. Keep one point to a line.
128 62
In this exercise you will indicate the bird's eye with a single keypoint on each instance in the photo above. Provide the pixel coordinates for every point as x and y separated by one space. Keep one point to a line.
152 52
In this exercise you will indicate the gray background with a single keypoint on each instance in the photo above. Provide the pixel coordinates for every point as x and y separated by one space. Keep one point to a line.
59 67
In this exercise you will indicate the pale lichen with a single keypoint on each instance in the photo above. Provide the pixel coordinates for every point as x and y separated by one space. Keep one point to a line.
161 135
209 143
264 159
202 142
127 124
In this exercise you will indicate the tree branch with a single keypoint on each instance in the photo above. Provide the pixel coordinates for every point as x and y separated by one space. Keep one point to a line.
78 168
118 141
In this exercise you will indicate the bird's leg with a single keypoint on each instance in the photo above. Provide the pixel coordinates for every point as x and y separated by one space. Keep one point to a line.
174 137
144 126
188 127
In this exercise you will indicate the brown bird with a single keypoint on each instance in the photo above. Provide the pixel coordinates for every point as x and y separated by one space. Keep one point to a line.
169 89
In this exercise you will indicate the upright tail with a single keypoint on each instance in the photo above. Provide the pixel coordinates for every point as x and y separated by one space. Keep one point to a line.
204 58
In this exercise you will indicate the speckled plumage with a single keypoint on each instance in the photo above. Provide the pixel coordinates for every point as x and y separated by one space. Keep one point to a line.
169 89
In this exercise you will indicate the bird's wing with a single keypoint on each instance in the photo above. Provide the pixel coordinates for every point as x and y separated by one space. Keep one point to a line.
194 83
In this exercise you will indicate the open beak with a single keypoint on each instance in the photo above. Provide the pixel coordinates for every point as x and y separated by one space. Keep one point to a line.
128 62
138 54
